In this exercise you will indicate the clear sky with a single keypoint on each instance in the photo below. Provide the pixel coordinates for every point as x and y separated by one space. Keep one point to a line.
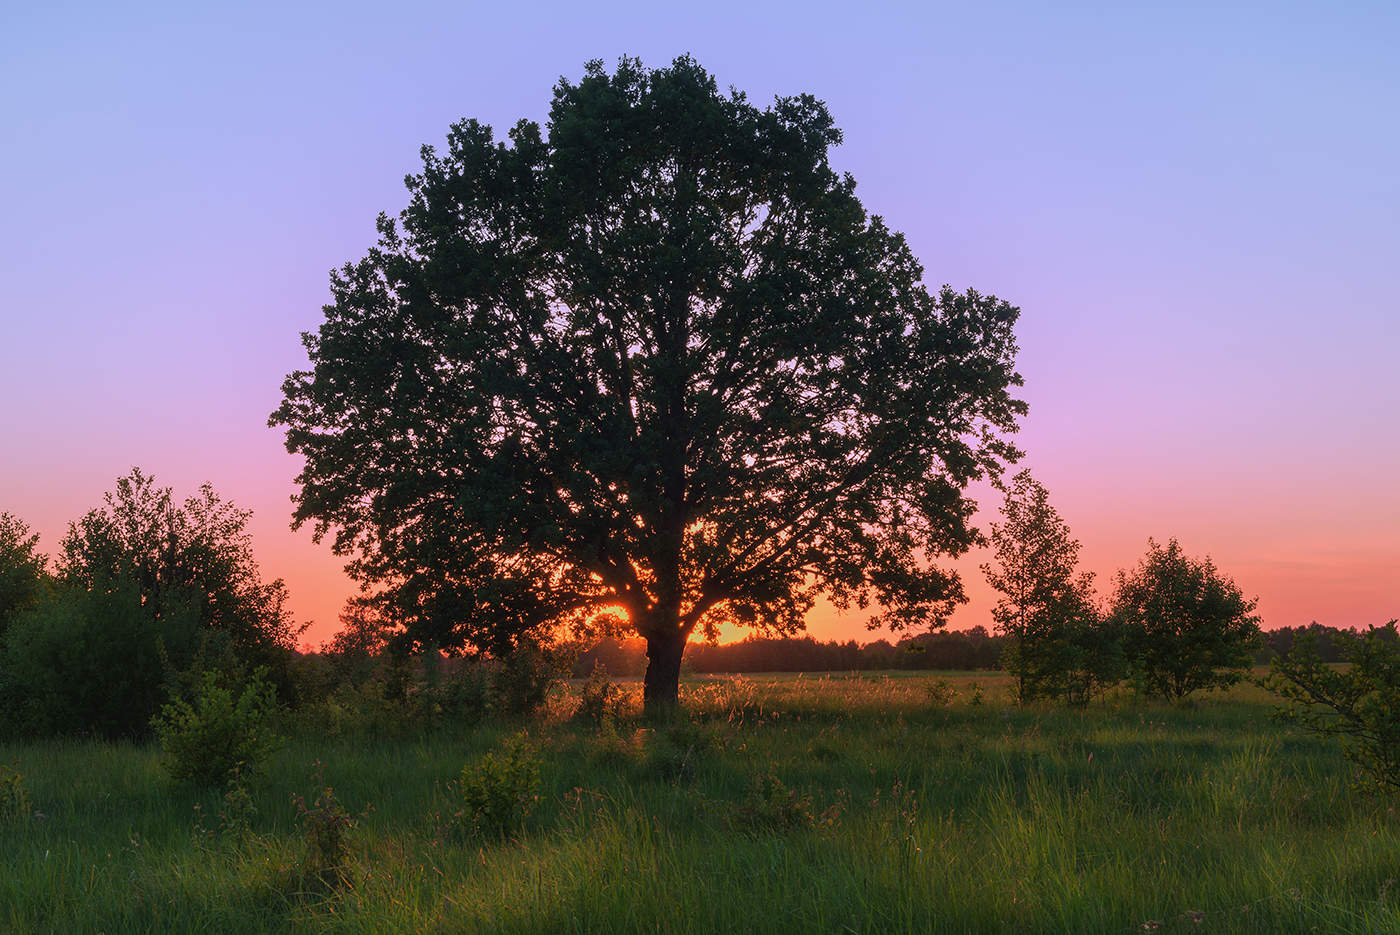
1197 207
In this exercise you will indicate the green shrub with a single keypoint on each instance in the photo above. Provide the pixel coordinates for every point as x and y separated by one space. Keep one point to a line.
24 574
1359 702
524 678
235 816
325 827
219 733
940 692
500 790
1057 644
460 695
976 696
771 806
599 697
93 661
677 753
614 750
197 552
14 797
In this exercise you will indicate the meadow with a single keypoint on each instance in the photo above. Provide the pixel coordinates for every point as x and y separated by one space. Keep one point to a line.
834 803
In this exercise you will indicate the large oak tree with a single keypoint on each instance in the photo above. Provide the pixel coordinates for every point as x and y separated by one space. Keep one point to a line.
653 356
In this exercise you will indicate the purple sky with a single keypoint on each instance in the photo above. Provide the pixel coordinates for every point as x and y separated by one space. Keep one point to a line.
1197 209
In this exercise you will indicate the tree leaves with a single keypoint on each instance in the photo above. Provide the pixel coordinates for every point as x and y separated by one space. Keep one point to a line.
655 355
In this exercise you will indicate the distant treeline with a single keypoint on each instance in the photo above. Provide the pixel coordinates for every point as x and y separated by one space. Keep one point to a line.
1279 642
948 650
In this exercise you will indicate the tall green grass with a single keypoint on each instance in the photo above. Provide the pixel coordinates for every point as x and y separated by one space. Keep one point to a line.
927 814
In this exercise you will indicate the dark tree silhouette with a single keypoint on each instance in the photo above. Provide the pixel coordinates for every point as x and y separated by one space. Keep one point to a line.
197 555
1057 644
1359 701
23 570
656 357
1185 625
147 591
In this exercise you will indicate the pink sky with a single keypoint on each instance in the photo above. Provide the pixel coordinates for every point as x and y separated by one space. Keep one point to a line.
1196 209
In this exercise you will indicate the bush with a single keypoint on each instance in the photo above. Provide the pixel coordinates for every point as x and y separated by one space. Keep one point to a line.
219 733
325 827
1360 702
771 806
677 753
599 697
613 750
940 692
457 691
1185 625
198 551
14 797
93 661
23 571
524 678
499 791
236 815
1076 660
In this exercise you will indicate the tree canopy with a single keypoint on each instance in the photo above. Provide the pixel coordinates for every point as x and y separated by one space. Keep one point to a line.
654 356
194 557
148 592
1185 624
1056 646
23 569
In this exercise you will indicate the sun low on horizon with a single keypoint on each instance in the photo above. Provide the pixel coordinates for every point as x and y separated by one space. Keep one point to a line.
1197 216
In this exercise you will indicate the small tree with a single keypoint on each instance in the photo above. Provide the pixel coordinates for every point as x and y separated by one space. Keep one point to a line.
1186 626
1359 702
1056 646
90 661
147 589
194 555
361 644
220 732
22 569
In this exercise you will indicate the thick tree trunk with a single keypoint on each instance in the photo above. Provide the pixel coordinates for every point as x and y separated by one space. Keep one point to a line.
661 690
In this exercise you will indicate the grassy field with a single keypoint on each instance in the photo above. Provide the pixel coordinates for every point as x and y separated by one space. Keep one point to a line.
863 803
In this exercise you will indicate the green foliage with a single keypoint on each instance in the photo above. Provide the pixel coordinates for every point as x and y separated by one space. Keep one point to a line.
1359 700
359 648
191 556
1058 645
219 734
14 797
523 677
616 749
93 660
325 829
599 697
238 809
940 692
654 355
461 693
499 791
393 694
771 806
23 572
1185 625
146 589
677 752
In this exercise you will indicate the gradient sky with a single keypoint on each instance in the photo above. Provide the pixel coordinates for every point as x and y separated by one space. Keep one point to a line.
1196 206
